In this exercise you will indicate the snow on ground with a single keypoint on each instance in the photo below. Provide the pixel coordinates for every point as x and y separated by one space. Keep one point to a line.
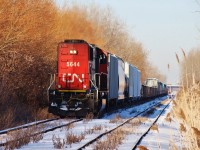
134 137
136 128
45 126
130 112
22 126
83 127
167 134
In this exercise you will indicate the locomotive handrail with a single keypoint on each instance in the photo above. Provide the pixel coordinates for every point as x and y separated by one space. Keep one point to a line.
51 83
99 78
94 85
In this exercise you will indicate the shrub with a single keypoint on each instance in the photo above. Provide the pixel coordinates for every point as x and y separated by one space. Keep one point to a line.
58 143
72 138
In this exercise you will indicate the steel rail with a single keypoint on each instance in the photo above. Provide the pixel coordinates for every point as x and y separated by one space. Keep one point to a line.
44 131
145 133
5 131
107 132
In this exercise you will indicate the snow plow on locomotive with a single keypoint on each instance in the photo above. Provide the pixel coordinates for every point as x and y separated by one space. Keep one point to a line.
89 79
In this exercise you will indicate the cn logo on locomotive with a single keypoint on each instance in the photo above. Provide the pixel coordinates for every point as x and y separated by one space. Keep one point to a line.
73 76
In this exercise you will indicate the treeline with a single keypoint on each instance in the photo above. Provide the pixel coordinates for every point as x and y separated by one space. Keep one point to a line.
29 33
187 104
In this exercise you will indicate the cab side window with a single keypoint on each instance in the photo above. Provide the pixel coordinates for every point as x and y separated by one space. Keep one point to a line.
102 59
91 53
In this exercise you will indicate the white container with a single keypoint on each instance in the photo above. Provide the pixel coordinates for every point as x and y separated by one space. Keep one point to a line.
122 82
112 77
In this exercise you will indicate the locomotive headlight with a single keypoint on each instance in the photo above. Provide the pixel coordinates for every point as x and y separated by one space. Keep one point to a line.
73 52
59 86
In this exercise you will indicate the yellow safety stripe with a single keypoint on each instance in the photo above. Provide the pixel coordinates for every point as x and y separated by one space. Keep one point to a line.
72 90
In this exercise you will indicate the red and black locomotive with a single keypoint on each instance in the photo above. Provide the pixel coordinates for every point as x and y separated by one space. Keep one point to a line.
89 79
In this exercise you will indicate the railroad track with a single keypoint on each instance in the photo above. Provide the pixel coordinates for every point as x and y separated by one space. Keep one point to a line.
26 125
127 106
146 132
41 132
125 122
67 124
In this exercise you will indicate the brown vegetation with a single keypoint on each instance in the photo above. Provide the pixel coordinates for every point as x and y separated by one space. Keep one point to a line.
94 129
19 138
88 117
116 119
73 138
190 72
168 118
187 105
25 48
29 33
182 128
140 147
58 143
112 140
155 128
70 126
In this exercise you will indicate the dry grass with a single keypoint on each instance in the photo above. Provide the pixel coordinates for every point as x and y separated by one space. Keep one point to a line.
187 108
43 113
72 138
173 146
88 117
168 118
19 138
190 72
140 147
182 128
196 133
180 113
7 119
58 143
70 126
112 140
155 128
137 121
164 102
116 119
96 128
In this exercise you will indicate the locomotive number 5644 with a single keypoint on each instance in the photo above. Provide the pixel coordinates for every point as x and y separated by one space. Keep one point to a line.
73 64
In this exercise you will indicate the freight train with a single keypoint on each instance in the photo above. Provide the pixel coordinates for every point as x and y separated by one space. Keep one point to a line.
89 79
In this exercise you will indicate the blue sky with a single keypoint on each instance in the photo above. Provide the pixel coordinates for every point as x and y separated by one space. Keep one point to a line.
162 26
